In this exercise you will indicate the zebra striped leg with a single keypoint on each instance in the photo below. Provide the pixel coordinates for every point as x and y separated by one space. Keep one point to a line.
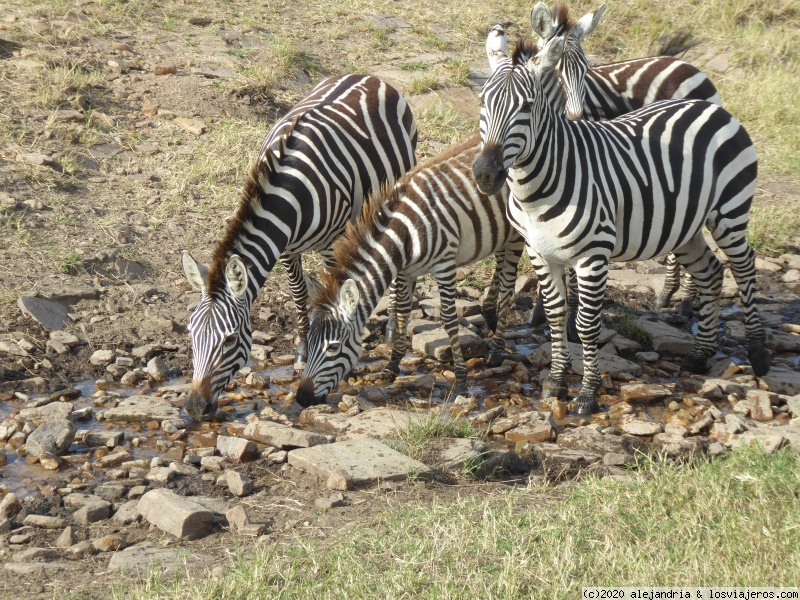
446 280
551 286
391 323
538 316
297 285
572 307
506 277
592 275
741 260
402 288
706 271
489 306
671 283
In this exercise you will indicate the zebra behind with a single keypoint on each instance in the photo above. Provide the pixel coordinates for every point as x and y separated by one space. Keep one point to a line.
614 89
433 221
633 188
348 137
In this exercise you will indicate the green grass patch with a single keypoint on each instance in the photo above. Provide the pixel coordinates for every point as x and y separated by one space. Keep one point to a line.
773 229
731 522
416 437
444 124
627 326
424 83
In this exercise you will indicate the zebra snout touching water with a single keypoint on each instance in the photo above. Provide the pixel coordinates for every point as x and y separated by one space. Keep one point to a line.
633 188
433 221
347 138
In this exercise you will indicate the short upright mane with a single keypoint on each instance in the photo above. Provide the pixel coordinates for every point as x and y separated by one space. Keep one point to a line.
524 50
261 171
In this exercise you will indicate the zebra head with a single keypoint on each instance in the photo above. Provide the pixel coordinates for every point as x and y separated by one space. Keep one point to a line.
574 65
334 344
221 333
510 99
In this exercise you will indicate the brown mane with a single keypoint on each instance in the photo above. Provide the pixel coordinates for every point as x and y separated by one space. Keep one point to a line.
263 169
561 15
361 233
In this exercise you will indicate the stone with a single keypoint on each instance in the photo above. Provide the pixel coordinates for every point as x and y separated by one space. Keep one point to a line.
81 550
472 457
142 409
618 459
36 555
436 343
238 450
561 461
54 411
10 505
92 513
128 513
540 430
780 341
39 569
640 427
239 521
115 459
160 475
66 538
282 436
102 357
167 68
214 464
769 443
357 462
760 408
794 405
109 543
157 369
50 462
238 484
665 338
53 437
644 392
782 380
589 439
44 521
50 314
192 126
609 364
677 445
146 557
109 439
177 515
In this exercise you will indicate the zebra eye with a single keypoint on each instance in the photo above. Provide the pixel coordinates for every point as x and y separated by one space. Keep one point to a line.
333 347
228 339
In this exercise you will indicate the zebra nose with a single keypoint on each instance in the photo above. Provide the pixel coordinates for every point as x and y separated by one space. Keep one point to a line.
305 394
198 403
488 170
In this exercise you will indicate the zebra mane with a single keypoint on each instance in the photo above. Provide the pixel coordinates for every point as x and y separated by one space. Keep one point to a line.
562 19
373 219
262 170
524 50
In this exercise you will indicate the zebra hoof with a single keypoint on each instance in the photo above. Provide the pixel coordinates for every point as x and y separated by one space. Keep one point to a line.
686 308
538 316
553 389
391 370
662 301
759 358
460 389
495 360
491 319
694 364
586 405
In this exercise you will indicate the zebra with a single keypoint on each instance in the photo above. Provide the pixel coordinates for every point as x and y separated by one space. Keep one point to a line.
585 193
432 221
611 90
349 136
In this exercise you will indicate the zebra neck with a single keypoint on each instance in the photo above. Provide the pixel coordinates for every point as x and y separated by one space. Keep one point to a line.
541 160
372 274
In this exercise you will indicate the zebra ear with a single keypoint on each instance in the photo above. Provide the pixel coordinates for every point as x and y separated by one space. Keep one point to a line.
196 274
541 20
587 23
348 297
548 57
236 276
495 46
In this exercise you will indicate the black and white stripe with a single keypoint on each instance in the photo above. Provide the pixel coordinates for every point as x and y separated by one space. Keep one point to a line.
350 136
636 187
433 221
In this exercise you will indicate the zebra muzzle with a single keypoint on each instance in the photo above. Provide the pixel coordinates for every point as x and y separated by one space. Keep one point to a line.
488 170
305 394
199 403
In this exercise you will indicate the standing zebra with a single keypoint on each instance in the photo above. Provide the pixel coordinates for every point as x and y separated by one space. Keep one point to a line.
351 135
433 221
614 89
642 185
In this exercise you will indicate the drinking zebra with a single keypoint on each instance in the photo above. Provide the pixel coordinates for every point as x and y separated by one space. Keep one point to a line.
432 221
611 90
585 193
351 135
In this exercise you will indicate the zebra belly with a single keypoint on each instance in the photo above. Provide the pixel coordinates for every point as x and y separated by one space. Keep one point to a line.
541 236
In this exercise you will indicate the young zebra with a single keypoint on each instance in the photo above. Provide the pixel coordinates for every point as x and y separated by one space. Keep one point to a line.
614 89
642 185
432 221
351 135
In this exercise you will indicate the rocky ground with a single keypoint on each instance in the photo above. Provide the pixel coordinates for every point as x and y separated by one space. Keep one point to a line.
102 184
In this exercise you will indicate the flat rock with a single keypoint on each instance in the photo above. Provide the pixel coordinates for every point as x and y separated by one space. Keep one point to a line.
644 392
44 521
533 431
635 426
667 339
177 515
354 463
143 408
591 440
472 456
782 342
436 343
50 314
781 380
53 437
146 557
563 461
379 423
609 364
282 436
635 283
38 569
238 450
55 411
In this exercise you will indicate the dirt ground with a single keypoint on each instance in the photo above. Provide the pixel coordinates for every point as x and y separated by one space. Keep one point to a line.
102 186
